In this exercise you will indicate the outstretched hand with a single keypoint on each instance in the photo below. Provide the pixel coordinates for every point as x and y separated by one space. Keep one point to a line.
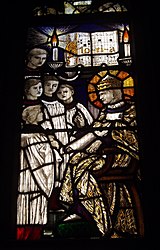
94 147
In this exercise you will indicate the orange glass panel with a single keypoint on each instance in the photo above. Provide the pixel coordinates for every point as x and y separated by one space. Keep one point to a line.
93 97
128 91
122 75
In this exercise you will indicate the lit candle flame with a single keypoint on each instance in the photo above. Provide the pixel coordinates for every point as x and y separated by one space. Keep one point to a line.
126 36
54 40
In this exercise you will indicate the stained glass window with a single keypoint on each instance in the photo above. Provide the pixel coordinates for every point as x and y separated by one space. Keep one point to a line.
79 173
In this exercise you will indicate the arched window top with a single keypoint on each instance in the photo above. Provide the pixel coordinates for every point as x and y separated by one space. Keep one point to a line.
78 7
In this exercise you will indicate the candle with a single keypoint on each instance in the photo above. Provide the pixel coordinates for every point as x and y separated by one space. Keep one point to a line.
54 41
55 54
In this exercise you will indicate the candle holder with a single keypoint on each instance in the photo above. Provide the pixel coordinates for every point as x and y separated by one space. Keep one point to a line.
55 65
70 74
58 64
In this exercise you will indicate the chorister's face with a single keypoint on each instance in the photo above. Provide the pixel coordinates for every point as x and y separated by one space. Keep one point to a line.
106 96
35 90
65 93
37 60
39 116
50 87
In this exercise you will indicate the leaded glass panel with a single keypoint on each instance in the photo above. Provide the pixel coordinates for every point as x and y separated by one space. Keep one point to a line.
79 174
